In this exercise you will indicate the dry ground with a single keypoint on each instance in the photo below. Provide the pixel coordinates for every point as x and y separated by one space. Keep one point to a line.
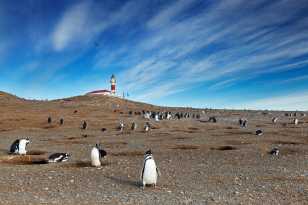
200 162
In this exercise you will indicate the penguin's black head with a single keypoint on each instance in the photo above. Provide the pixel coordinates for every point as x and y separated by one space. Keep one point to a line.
149 152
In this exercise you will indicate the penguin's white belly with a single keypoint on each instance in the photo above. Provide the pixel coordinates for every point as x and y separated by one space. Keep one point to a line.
22 151
150 174
95 161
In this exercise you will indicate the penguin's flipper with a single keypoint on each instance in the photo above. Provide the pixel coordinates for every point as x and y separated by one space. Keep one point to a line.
141 175
158 172
14 147
102 153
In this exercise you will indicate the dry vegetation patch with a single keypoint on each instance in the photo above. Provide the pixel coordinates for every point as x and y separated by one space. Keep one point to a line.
185 147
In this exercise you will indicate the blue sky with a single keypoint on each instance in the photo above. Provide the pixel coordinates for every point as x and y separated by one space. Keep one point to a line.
200 53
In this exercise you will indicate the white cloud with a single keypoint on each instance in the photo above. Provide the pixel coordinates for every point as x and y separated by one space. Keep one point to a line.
296 101
71 26
240 40
168 13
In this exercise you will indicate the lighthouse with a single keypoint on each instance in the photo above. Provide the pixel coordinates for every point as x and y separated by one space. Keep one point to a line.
113 84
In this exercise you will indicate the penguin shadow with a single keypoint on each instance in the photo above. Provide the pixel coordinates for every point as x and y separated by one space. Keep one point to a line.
86 164
224 148
125 181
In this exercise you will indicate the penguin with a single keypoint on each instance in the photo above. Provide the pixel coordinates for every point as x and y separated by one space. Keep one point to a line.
58 157
134 126
244 124
259 132
96 155
156 117
274 120
150 172
121 126
212 119
274 151
49 120
84 125
240 121
19 146
147 127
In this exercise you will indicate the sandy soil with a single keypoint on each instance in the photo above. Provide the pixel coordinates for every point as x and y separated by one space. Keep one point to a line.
200 162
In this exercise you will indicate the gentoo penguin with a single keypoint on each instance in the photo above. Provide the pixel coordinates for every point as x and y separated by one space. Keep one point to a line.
259 132
274 151
58 157
149 172
19 146
134 126
96 155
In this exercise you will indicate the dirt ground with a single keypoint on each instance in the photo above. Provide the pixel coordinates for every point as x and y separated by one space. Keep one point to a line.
201 162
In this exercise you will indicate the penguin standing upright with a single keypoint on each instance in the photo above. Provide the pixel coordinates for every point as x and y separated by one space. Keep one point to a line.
19 146
147 127
121 126
134 126
96 154
150 171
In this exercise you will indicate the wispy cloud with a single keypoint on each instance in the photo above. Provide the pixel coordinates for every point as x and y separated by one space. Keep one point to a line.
73 26
296 101
168 14
82 22
237 38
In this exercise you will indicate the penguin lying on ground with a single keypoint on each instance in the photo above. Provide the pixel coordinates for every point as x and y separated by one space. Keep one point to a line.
58 157
97 153
259 132
19 146
150 172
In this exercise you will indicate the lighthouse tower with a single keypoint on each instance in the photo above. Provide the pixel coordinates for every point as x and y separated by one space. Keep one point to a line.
113 84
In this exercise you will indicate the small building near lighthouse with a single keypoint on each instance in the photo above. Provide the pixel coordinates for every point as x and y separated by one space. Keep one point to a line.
112 90
100 92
